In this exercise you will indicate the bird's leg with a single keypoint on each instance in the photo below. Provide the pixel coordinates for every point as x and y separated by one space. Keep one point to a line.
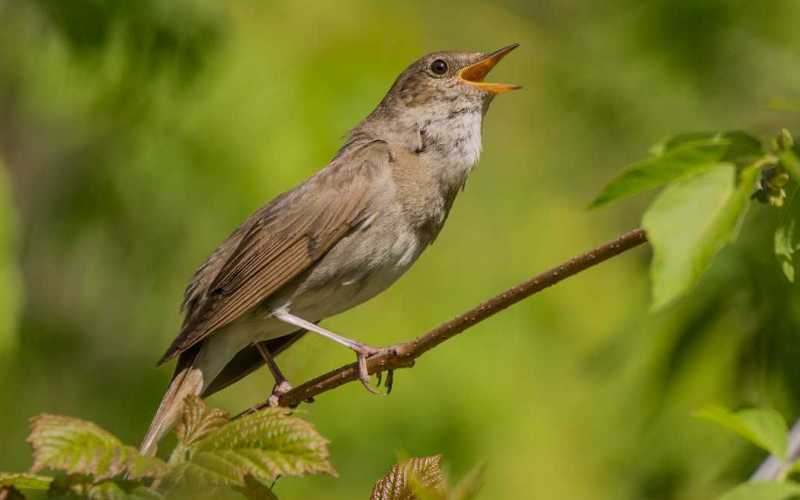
282 385
362 351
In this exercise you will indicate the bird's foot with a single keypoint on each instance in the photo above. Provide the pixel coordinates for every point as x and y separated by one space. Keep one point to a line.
363 353
279 390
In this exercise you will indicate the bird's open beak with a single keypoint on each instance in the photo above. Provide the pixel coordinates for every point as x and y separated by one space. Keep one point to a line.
475 73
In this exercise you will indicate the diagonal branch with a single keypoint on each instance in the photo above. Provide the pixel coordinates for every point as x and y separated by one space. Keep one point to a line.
403 355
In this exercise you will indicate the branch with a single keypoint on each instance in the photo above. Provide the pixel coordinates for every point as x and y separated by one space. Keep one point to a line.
403 355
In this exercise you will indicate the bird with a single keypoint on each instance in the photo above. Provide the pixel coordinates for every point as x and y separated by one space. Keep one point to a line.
339 238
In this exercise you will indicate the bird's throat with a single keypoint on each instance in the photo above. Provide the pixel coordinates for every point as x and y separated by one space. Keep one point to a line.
451 146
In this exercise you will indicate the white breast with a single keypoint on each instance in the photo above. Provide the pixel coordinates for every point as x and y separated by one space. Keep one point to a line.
471 146
460 145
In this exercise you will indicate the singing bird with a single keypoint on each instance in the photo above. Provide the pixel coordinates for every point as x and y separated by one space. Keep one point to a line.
339 238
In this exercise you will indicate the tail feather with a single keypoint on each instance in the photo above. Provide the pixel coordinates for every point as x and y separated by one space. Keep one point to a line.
204 369
188 380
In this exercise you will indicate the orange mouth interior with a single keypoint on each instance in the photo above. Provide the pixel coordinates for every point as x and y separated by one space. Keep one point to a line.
474 74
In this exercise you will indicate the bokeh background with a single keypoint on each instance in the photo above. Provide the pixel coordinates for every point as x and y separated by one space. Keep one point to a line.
136 135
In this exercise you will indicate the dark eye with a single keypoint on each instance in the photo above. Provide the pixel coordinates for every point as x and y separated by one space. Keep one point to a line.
438 67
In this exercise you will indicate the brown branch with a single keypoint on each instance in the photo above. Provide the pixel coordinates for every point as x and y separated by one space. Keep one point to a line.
403 355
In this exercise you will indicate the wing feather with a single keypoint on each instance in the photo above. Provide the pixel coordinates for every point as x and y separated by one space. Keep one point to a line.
279 242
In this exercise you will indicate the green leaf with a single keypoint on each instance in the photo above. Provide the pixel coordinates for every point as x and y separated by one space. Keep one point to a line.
197 421
25 481
264 444
766 428
679 157
786 244
421 473
742 147
689 222
763 490
80 447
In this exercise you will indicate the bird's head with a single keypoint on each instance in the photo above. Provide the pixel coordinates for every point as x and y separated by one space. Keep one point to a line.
450 79
446 82
442 96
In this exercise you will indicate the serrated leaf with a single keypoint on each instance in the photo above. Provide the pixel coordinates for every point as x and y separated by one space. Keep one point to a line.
199 420
766 428
265 444
764 490
398 483
689 222
25 481
786 245
679 157
80 447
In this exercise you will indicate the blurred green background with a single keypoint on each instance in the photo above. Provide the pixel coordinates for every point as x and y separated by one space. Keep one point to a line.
136 135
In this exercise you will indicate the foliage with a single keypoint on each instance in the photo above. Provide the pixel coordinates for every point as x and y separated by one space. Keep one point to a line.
767 429
710 179
265 445
79 447
763 427
422 478
218 458
679 157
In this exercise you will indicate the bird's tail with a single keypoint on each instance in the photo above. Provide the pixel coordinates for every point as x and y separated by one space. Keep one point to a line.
188 380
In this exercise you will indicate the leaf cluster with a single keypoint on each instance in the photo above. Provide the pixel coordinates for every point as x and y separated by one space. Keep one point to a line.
215 458
709 180
422 478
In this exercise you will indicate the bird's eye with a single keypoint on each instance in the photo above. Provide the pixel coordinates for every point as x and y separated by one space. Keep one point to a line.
438 67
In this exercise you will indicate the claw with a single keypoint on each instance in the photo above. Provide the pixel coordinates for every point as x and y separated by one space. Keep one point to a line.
363 373
389 381
279 390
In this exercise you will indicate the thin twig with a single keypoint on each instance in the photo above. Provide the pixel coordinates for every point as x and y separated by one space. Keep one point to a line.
403 355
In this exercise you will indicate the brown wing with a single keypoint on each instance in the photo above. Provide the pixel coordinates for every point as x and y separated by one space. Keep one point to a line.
280 241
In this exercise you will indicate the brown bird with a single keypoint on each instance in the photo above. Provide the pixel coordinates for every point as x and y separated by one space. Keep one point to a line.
339 238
